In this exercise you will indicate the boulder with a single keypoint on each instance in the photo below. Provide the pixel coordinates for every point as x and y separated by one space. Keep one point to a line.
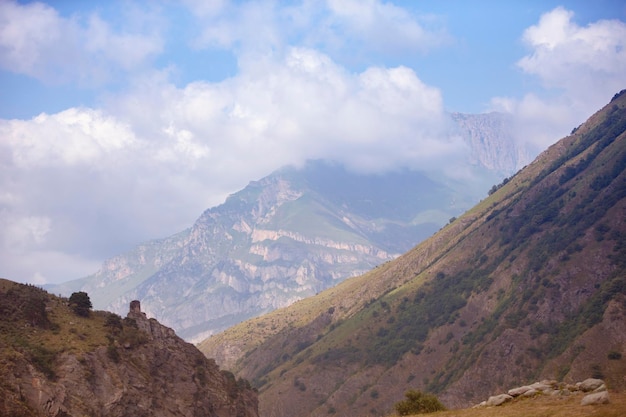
600 388
541 386
601 397
498 399
514 392
590 384
530 393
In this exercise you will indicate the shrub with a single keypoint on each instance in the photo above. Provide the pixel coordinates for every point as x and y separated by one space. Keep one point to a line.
114 323
112 353
614 355
80 303
417 402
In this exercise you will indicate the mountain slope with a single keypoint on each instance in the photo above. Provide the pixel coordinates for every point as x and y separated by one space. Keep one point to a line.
281 239
54 362
528 284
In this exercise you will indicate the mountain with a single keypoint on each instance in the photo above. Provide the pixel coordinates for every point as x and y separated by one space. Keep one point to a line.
59 358
489 136
528 284
291 235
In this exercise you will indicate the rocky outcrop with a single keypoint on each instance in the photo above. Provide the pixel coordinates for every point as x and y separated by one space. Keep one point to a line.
597 387
150 372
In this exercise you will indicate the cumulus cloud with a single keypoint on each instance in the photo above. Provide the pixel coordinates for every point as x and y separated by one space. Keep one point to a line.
297 106
579 67
36 41
86 182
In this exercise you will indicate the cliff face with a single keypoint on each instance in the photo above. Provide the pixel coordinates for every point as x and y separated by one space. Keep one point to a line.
490 139
105 366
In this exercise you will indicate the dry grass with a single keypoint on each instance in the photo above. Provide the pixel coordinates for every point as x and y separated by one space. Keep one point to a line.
545 406
74 333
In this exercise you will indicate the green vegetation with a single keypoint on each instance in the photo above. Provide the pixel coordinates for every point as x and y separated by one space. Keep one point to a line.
80 303
40 326
417 402
435 304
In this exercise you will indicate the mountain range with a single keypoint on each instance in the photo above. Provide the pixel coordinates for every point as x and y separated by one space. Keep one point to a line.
529 284
295 233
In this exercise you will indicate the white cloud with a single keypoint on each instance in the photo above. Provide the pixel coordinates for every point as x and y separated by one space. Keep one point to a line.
382 27
580 69
567 56
85 183
345 29
297 106
36 41
73 136
25 231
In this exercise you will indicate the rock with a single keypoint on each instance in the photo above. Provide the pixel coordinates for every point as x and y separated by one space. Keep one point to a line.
498 399
514 392
530 393
601 397
541 386
600 388
590 384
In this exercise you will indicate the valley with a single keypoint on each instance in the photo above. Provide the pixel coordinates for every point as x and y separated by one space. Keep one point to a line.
528 284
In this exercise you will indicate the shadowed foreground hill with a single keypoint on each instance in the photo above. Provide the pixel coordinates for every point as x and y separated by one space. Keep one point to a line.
529 284
56 363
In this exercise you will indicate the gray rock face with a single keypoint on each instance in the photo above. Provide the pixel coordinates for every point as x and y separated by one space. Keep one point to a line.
490 138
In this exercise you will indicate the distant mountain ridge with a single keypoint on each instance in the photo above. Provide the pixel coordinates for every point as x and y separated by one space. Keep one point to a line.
289 236
527 285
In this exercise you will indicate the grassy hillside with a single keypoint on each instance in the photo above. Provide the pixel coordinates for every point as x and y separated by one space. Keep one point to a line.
528 284
60 360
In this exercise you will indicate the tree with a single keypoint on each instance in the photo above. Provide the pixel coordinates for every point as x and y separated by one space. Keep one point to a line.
417 402
80 303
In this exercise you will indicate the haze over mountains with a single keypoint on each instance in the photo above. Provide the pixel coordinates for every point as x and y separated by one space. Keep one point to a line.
297 232
527 285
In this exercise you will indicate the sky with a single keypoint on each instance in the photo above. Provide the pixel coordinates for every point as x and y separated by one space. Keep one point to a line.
122 121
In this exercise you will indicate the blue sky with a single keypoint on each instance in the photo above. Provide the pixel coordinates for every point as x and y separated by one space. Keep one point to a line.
121 121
